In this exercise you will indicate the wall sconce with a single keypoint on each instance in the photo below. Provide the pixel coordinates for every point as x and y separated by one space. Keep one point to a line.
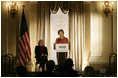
13 7
108 7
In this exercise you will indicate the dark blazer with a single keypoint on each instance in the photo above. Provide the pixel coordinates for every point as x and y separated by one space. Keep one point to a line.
38 52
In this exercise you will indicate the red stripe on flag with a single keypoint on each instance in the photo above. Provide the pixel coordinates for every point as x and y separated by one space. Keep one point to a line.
28 35
23 59
20 61
22 51
28 51
20 45
27 54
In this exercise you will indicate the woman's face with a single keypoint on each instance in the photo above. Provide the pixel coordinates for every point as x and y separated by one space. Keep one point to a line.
61 34
41 43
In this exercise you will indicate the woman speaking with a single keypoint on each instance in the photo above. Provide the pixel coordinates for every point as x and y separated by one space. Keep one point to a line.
61 56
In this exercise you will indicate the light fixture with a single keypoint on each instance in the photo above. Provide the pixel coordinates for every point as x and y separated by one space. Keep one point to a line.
108 7
12 7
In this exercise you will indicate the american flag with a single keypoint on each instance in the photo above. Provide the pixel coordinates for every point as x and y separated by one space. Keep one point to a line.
24 54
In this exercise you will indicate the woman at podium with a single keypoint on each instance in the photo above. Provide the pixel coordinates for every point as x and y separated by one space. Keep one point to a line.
61 56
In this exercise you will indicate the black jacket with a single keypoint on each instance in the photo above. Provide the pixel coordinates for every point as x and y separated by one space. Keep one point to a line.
38 52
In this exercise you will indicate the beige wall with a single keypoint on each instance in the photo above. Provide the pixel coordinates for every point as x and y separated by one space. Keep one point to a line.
101 35
115 28
10 27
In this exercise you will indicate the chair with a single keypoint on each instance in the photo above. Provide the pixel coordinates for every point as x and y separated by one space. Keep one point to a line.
7 62
112 66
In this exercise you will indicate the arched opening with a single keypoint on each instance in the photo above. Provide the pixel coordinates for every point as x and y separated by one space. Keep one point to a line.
57 21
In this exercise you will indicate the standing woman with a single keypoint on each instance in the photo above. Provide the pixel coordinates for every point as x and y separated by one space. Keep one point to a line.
61 56
41 54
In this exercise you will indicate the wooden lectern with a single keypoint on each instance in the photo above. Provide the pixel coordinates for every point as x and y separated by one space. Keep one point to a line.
62 50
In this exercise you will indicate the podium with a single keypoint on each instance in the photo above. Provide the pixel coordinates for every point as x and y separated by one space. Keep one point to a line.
62 51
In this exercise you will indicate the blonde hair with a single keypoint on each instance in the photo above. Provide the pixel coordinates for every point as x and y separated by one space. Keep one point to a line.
40 41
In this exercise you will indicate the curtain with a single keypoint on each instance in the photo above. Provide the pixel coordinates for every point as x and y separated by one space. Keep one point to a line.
40 30
43 24
77 35
64 5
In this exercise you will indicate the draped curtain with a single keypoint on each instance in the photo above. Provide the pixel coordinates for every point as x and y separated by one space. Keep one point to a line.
64 5
79 39
43 23
76 25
